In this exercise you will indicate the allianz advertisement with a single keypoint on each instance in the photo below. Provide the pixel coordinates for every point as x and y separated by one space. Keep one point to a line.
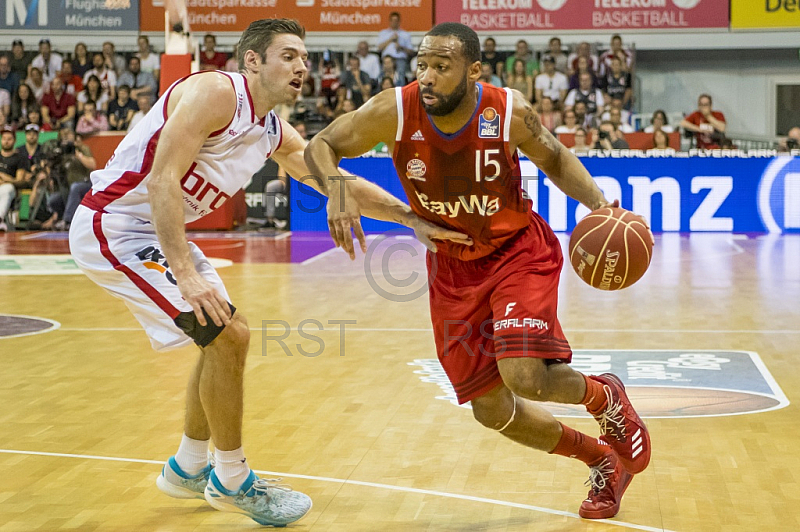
685 194
83 15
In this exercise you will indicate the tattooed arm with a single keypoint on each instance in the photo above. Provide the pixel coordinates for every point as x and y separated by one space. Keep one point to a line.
546 152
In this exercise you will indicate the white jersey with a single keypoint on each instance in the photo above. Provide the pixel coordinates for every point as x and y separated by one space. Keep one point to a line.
226 161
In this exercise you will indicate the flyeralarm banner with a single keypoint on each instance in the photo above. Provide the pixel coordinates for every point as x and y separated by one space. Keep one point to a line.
316 15
765 14
614 15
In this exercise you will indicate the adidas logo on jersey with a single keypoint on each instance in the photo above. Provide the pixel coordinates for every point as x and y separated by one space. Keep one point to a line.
417 136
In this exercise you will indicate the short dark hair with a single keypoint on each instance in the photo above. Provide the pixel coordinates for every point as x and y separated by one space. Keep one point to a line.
470 43
487 39
207 35
394 14
124 87
260 34
704 95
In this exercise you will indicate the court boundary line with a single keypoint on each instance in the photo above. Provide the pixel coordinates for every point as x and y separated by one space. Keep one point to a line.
428 329
389 487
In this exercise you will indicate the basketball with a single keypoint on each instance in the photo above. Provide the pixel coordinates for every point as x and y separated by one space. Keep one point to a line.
610 249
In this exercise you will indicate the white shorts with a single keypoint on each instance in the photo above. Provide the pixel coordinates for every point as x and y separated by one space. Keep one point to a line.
122 254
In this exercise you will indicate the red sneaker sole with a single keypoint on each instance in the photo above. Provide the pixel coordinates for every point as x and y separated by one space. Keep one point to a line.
607 513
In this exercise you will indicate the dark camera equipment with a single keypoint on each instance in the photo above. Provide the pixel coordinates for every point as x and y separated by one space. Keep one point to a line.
602 134
792 144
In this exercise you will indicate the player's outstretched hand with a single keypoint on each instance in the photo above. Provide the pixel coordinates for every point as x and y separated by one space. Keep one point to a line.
344 216
427 232
201 295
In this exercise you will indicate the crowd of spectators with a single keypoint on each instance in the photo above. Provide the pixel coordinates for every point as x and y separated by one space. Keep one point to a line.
583 93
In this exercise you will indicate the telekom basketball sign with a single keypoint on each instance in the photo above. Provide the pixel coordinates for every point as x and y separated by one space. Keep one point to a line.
554 15
315 15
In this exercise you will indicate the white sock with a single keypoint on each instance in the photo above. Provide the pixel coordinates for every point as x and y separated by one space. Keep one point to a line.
231 469
192 455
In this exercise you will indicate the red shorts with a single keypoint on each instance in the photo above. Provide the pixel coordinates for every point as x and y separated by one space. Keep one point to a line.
500 306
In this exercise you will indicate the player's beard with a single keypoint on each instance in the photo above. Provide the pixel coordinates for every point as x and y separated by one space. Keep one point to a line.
445 104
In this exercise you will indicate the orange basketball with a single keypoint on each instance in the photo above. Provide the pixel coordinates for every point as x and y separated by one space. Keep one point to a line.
610 248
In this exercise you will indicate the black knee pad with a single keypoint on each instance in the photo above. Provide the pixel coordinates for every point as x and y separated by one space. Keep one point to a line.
202 336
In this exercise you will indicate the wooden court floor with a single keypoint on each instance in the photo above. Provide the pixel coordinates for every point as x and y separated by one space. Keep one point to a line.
365 427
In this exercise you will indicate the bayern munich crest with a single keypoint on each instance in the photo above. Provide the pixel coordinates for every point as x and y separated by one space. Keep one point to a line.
415 169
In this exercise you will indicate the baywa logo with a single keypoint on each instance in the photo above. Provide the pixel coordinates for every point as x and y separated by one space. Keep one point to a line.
686 4
551 5
19 14
779 196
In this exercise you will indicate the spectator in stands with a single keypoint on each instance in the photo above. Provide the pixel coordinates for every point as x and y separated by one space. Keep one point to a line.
570 124
708 125
616 83
149 61
48 62
5 102
523 53
580 147
37 84
583 117
58 106
517 78
78 167
358 83
496 60
592 97
106 77
329 79
660 140
369 62
555 51
550 117
659 121
9 81
390 71
396 43
73 84
551 83
791 142
139 82
91 121
616 103
584 50
21 104
112 60
35 117
387 83
615 117
144 103
608 138
13 172
81 61
32 150
20 60
93 92
583 68
488 75
232 64
211 59
618 51
121 110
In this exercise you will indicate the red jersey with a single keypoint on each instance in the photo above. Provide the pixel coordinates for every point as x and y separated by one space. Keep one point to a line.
468 181
705 141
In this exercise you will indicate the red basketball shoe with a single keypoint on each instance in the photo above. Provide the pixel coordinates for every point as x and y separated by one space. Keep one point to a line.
608 481
622 427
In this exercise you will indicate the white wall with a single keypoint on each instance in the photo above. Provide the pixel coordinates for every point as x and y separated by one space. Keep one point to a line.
740 84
